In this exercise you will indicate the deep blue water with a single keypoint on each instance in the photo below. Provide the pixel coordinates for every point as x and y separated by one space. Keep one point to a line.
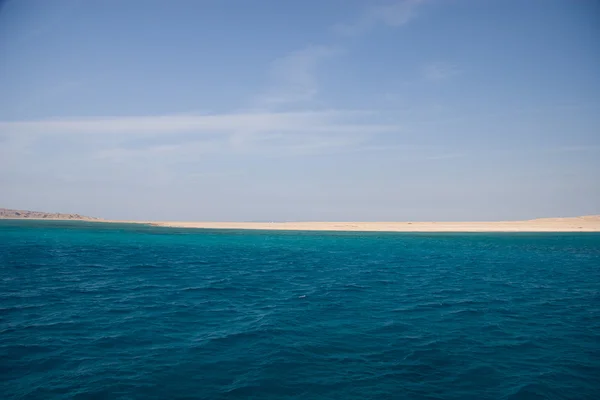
99 311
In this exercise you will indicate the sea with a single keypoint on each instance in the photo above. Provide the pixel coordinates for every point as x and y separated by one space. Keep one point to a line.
125 311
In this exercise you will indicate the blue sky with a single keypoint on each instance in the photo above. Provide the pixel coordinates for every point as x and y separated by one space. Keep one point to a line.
224 110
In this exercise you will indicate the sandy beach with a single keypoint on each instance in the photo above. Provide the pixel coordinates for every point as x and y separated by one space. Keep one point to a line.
589 223
577 224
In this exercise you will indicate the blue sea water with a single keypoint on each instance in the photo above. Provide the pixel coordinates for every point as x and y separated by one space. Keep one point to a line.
103 311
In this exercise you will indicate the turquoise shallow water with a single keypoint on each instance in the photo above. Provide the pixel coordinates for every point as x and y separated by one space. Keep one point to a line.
95 311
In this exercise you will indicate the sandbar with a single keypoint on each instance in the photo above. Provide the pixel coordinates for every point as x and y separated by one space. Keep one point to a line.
576 224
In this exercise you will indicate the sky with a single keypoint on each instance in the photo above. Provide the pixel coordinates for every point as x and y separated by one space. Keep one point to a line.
313 110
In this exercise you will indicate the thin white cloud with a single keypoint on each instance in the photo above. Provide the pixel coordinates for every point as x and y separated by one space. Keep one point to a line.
169 124
153 152
437 71
393 15
294 76
190 135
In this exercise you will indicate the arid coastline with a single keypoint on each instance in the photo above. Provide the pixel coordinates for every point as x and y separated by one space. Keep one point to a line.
589 223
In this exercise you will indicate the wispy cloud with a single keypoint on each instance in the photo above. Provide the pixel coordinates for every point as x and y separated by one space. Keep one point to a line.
329 121
134 148
437 71
393 15
188 135
294 76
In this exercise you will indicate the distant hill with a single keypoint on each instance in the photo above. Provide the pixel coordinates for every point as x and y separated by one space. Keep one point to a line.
6 213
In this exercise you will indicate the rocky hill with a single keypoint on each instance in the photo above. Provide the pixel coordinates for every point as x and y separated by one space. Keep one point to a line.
6 213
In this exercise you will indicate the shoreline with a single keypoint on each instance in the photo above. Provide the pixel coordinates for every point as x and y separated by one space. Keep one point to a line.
575 224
